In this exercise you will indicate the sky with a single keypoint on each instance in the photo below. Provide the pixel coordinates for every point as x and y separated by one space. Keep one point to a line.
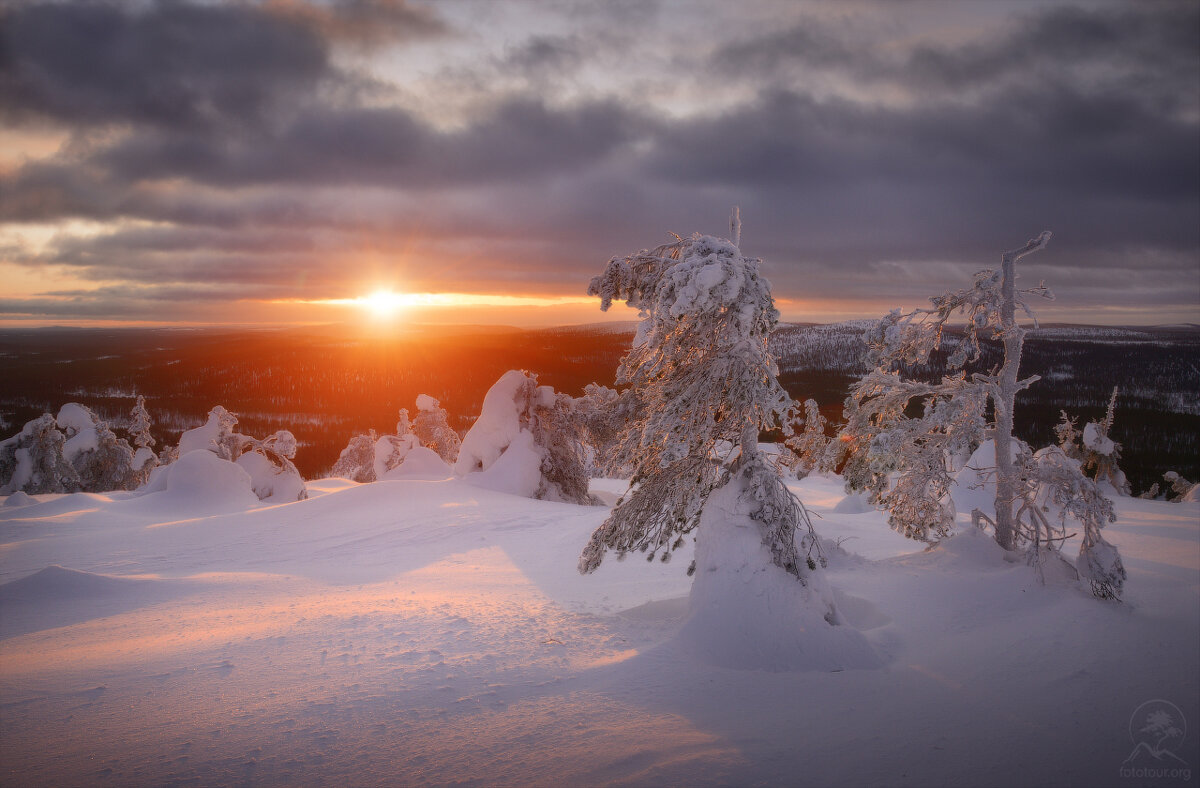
280 161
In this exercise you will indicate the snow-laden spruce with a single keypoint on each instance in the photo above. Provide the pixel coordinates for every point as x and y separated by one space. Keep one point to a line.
526 441
907 462
433 430
71 452
706 385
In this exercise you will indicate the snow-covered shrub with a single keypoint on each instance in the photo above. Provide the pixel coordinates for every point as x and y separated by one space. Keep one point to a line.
32 461
526 441
103 461
707 385
273 476
1181 488
390 450
272 473
433 430
905 435
357 460
215 435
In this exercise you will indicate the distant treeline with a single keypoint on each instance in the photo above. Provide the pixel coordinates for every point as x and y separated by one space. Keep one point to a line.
327 384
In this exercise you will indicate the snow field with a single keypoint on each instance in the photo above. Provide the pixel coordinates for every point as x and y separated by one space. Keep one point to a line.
428 632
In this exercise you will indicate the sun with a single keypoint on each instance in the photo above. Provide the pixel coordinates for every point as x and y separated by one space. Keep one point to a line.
384 303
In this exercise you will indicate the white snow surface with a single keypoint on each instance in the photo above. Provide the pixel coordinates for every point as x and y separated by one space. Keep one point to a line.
432 632
426 402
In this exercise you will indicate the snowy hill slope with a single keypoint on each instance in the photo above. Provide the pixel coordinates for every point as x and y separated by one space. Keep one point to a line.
414 632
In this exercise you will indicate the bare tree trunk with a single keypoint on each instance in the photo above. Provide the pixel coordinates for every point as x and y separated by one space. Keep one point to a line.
1003 400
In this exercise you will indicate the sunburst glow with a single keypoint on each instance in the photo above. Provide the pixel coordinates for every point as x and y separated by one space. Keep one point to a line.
384 303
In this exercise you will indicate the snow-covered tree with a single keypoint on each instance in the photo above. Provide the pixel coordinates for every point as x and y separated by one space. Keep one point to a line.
809 450
707 385
432 428
357 460
392 450
1099 453
526 441
139 425
144 458
103 461
906 436
1067 433
32 461
215 435
268 461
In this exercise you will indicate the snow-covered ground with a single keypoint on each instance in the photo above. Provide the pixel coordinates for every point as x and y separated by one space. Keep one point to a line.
414 632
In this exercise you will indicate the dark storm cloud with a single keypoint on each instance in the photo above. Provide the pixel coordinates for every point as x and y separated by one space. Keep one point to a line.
260 167
518 140
177 64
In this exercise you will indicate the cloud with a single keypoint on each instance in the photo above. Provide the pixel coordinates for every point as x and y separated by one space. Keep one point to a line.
183 64
225 145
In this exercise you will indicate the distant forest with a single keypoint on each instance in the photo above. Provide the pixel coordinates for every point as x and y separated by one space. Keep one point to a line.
327 384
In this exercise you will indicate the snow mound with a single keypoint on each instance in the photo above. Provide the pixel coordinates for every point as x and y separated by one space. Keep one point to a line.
59 582
202 480
974 486
19 498
269 481
854 503
970 547
420 463
747 613
426 402
517 471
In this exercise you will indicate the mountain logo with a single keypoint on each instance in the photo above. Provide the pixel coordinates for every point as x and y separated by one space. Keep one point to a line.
1156 728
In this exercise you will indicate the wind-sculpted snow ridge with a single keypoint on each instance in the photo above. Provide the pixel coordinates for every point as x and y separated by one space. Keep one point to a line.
415 632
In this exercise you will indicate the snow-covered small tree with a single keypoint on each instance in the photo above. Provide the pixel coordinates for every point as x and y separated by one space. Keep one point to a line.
1100 453
1181 488
432 428
707 385
144 458
906 435
32 461
526 441
139 425
357 460
269 462
103 461
1067 433
809 450
392 450
707 381
215 435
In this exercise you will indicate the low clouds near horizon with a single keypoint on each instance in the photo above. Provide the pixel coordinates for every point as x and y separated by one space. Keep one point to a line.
160 160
